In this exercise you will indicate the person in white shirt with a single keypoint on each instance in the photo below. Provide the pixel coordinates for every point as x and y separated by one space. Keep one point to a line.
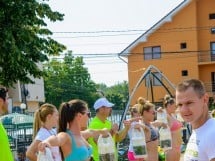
45 123
192 101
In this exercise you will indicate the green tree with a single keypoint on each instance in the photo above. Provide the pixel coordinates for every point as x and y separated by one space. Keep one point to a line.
118 94
68 79
25 40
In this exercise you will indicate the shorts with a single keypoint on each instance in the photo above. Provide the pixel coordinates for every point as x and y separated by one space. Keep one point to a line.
131 156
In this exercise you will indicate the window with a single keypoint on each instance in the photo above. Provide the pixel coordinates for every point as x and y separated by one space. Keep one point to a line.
152 52
212 16
212 51
183 45
184 73
154 79
156 82
213 81
213 30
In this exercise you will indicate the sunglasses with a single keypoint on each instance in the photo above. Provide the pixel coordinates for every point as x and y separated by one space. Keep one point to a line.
87 112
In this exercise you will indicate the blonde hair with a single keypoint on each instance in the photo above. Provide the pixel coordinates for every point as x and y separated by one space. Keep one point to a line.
134 109
146 107
40 116
141 100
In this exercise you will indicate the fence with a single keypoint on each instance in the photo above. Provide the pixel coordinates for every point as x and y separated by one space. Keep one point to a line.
20 135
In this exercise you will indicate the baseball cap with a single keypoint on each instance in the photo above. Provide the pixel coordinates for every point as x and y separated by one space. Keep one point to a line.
3 93
102 102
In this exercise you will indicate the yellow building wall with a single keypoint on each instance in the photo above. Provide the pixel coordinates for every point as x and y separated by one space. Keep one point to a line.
182 29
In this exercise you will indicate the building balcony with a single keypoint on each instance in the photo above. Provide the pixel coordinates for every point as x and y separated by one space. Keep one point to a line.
206 57
210 87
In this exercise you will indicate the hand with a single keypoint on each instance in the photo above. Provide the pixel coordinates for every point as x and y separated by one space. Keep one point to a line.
135 119
160 109
127 124
104 132
114 128
42 146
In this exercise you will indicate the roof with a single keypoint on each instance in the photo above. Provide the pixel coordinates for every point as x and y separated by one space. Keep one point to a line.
144 36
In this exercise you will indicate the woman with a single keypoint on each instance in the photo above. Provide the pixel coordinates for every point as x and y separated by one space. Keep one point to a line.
175 127
45 122
74 116
134 119
147 111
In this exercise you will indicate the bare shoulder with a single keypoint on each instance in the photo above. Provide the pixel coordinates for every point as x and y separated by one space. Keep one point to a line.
63 137
212 159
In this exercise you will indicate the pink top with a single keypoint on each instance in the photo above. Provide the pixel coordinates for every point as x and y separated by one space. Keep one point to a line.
175 125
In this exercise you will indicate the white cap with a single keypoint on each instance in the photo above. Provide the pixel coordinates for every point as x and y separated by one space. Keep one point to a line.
102 102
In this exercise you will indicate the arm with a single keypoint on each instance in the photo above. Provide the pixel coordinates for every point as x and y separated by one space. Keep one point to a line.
94 133
122 134
32 150
159 124
212 159
60 140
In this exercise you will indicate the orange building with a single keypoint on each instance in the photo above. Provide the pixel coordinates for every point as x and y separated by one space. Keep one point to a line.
181 45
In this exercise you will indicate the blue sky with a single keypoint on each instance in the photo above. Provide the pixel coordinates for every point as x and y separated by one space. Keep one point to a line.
99 29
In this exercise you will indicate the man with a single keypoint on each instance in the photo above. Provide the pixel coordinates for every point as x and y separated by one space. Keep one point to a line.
192 101
103 109
5 152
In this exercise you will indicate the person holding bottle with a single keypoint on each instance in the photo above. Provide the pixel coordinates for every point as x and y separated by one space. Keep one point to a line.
135 123
73 117
5 151
175 128
147 111
103 109
45 123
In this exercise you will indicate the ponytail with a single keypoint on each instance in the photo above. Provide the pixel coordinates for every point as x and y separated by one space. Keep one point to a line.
37 123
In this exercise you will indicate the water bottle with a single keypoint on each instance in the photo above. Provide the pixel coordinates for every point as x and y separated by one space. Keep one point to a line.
162 116
165 138
139 143
106 148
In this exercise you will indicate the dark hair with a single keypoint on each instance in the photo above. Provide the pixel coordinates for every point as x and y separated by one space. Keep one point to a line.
41 116
196 84
168 100
68 111
3 93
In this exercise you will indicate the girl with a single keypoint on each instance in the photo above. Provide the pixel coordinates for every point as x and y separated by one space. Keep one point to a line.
45 123
175 127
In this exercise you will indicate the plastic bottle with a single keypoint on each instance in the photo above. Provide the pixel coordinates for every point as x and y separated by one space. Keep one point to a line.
165 138
162 116
139 143
106 148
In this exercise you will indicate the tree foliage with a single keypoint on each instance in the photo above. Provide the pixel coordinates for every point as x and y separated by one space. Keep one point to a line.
118 94
25 40
68 79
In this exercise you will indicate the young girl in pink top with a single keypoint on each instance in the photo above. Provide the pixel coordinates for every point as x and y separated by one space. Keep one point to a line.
175 127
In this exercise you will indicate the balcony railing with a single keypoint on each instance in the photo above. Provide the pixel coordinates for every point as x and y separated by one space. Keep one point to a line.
206 56
210 87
